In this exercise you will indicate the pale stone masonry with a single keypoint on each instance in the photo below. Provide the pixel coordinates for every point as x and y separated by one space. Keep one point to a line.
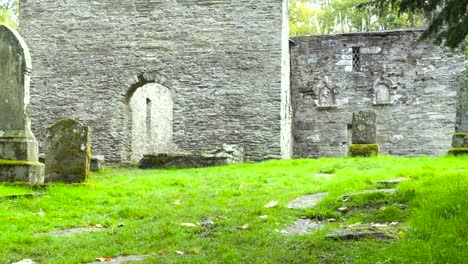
154 77
411 87
222 61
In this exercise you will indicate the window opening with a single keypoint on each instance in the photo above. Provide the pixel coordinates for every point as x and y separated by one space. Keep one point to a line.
356 59
148 116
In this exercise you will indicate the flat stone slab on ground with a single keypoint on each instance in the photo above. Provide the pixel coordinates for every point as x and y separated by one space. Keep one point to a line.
21 195
392 183
307 201
304 226
122 259
72 231
371 191
366 231
25 261
324 175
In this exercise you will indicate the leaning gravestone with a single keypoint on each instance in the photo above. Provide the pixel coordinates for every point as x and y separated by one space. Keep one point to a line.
68 152
18 146
364 137
460 138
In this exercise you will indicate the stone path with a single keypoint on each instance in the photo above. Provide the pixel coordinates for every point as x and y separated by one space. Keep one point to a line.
307 201
72 231
304 226
122 259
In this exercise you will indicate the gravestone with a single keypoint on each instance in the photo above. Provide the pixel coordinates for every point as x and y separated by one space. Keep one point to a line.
364 137
68 152
460 138
18 146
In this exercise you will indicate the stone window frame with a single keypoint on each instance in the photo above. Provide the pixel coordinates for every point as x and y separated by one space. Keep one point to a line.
391 88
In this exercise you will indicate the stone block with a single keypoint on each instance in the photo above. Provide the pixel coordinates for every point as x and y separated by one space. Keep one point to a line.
363 150
21 171
96 162
68 152
458 151
460 140
364 127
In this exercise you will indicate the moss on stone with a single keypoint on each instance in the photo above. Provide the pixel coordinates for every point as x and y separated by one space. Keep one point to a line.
458 151
363 150
18 162
461 134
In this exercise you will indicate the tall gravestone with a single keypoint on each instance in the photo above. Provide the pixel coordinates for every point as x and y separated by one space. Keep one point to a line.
18 146
364 137
68 152
460 138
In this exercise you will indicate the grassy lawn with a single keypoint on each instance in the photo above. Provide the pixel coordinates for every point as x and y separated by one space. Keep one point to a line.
150 206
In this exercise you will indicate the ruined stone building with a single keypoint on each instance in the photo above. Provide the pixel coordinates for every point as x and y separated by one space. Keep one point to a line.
152 76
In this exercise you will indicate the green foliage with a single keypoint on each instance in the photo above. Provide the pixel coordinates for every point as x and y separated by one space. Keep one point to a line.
9 13
152 204
309 17
448 19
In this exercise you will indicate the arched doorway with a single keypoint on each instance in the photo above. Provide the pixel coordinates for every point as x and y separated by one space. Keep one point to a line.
150 115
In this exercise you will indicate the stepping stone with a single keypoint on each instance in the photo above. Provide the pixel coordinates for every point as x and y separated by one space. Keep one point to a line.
370 192
324 175
366 231
303 227
307 201
391 183
25 261
122 259
70 232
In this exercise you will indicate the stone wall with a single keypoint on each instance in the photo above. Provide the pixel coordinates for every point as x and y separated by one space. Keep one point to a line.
411 87
222 60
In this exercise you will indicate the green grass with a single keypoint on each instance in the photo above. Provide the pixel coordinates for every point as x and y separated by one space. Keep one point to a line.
146 202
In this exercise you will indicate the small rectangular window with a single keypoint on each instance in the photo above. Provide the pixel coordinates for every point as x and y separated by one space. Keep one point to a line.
356 59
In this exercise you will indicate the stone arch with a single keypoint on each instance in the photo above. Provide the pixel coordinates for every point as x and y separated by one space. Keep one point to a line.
382 91
326 93
149 108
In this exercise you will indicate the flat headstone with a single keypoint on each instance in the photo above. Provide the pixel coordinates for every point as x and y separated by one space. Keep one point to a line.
364 127
324 175
18 146
25 261
307 201
366 231
371 191
122 259
71 232
303 227
68 152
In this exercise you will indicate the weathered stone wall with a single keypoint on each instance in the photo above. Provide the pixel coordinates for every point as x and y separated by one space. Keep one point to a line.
223 61
411 87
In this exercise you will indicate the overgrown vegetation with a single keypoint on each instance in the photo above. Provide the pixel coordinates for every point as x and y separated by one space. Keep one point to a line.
9 13
316 17
143 212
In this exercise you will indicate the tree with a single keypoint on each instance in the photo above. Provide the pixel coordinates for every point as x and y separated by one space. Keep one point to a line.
312 17
9 13
447 19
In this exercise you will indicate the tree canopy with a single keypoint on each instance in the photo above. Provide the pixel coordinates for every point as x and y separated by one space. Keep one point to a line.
9 13
447 19
312 17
